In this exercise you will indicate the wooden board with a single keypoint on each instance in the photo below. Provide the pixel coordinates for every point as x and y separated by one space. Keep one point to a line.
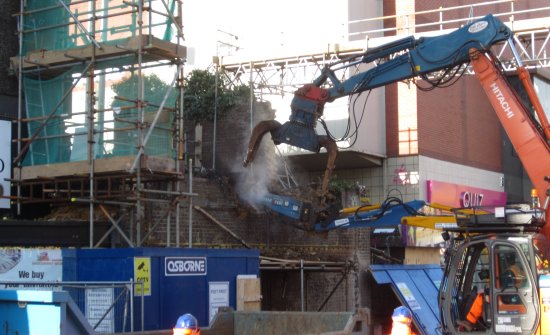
422 255
249 295
103 165
153 48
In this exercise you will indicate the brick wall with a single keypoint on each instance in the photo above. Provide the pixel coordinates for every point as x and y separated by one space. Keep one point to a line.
458 124
392 119
10 45
273 238
220 197
389 10
232 134
426 5
282 291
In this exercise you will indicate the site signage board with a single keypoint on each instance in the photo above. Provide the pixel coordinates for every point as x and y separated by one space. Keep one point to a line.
5 163
99 311
218 296
463 196
38 267
142 274
452 195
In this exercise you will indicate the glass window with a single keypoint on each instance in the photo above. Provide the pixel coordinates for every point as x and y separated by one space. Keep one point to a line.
473 291
511 277
541 253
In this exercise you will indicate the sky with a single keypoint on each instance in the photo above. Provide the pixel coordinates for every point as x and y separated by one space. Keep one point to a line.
264 29
261 30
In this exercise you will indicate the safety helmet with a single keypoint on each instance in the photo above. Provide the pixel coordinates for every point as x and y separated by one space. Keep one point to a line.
402 314
186 324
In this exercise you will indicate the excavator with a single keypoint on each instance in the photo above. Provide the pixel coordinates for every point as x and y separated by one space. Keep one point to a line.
496 268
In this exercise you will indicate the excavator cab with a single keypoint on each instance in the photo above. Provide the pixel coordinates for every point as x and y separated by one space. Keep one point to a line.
491 285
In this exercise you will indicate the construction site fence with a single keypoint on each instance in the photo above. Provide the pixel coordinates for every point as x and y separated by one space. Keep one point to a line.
109 307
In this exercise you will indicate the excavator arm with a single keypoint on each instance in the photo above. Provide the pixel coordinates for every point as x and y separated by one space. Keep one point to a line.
420 58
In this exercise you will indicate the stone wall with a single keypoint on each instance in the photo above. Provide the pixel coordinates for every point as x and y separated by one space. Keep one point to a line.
221 195
274 238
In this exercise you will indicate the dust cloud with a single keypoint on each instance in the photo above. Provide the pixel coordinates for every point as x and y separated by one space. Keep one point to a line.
254 182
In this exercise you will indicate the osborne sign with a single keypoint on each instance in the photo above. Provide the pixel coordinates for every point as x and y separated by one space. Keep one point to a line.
185 266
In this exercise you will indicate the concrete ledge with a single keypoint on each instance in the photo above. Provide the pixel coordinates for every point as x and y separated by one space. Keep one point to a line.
229 322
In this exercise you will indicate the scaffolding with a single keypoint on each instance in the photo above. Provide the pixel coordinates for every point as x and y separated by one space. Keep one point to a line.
96 127
280 76
99 119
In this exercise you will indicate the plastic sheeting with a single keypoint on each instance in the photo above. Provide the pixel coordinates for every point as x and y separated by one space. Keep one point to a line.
51 25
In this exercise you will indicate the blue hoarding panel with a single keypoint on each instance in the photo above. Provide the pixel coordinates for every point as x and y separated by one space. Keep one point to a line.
41 312
179 278
417 287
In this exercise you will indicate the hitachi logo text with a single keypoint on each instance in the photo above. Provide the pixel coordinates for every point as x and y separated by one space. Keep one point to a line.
185 266
502 100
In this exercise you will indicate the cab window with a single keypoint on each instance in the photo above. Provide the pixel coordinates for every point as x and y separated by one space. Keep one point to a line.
511 276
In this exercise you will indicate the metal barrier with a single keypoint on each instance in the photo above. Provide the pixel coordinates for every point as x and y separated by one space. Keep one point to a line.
109 307
452 17
283 75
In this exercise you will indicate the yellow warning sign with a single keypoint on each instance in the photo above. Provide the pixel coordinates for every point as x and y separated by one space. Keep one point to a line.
142 274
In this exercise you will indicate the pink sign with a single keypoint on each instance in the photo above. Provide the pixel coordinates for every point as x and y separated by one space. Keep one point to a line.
454 196
463 196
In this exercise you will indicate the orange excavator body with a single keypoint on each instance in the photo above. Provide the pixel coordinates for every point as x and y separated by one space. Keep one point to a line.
531 145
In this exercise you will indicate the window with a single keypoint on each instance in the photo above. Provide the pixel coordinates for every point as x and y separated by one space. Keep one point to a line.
473 291
408 142
511 276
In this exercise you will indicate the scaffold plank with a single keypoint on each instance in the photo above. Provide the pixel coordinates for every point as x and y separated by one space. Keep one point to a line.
154 49
102 165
